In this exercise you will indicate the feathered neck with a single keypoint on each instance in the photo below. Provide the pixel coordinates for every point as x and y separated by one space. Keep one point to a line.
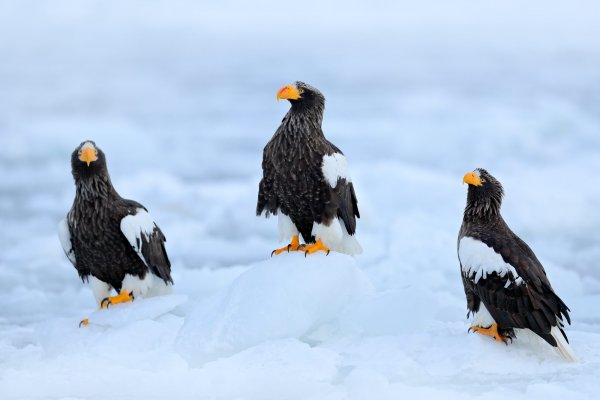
94 188
484 207
303 120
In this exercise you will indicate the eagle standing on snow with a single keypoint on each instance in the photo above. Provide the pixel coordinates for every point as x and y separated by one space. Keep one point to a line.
506 286
112 242
305 180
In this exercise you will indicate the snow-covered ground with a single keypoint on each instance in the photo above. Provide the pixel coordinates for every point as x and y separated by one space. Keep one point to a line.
181 97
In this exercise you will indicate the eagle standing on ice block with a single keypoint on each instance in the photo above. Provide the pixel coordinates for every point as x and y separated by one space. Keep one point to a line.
112 242
506 286
305 180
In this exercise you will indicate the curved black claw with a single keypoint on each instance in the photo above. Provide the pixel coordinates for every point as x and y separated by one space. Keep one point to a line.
132 296
305 253
104 301
288 249
84 322
470 329
328 251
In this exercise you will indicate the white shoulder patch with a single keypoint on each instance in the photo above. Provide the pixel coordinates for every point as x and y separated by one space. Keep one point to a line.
135 226
478 260
335 166
64 235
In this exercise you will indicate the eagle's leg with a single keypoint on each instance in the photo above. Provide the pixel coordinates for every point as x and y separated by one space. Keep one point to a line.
313 248
492 331
293 246
122 297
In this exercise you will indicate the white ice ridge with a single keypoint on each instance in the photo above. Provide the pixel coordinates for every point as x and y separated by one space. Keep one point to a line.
334 167
478 260
136 225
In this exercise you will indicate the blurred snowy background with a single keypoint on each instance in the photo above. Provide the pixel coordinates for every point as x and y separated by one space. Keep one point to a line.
181 97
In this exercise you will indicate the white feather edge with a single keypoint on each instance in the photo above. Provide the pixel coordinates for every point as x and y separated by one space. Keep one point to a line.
336 237
335 166
478 260
64 235
134 226
562 346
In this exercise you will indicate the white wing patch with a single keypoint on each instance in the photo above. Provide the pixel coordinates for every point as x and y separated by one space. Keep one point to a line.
64 235
334 167
135 226
478 260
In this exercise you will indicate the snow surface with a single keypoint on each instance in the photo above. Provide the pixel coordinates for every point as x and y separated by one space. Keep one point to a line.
180 96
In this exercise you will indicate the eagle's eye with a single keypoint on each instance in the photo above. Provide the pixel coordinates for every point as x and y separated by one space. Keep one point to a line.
482 180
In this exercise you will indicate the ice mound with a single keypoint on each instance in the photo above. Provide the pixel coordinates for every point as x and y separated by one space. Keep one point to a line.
288 296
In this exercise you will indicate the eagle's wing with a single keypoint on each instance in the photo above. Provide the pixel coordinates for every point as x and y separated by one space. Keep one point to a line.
148 241
505 274
335 171
64 235
266 199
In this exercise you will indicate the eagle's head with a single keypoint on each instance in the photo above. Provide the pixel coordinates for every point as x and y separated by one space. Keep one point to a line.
87 160
303 97
485 194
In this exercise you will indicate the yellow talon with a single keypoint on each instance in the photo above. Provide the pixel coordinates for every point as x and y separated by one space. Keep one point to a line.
123 297
293 246
491 331
313 248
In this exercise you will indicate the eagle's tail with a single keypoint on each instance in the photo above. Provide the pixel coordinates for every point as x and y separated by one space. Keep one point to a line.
562 345
349 244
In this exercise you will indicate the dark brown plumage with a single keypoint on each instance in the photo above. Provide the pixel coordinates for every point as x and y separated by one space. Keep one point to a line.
521 297
94 236
293 180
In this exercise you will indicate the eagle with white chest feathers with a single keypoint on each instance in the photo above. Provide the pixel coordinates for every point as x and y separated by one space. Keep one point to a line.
305 180
506 286
111 241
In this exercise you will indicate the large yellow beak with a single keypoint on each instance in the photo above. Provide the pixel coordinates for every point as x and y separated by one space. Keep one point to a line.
472 179
88 155
289 92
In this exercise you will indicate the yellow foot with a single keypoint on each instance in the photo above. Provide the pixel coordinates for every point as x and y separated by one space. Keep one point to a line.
492 331
84 322
122 297
293 246
313 248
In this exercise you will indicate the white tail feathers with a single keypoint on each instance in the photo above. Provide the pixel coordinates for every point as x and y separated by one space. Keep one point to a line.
349 244
562 346
336 237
